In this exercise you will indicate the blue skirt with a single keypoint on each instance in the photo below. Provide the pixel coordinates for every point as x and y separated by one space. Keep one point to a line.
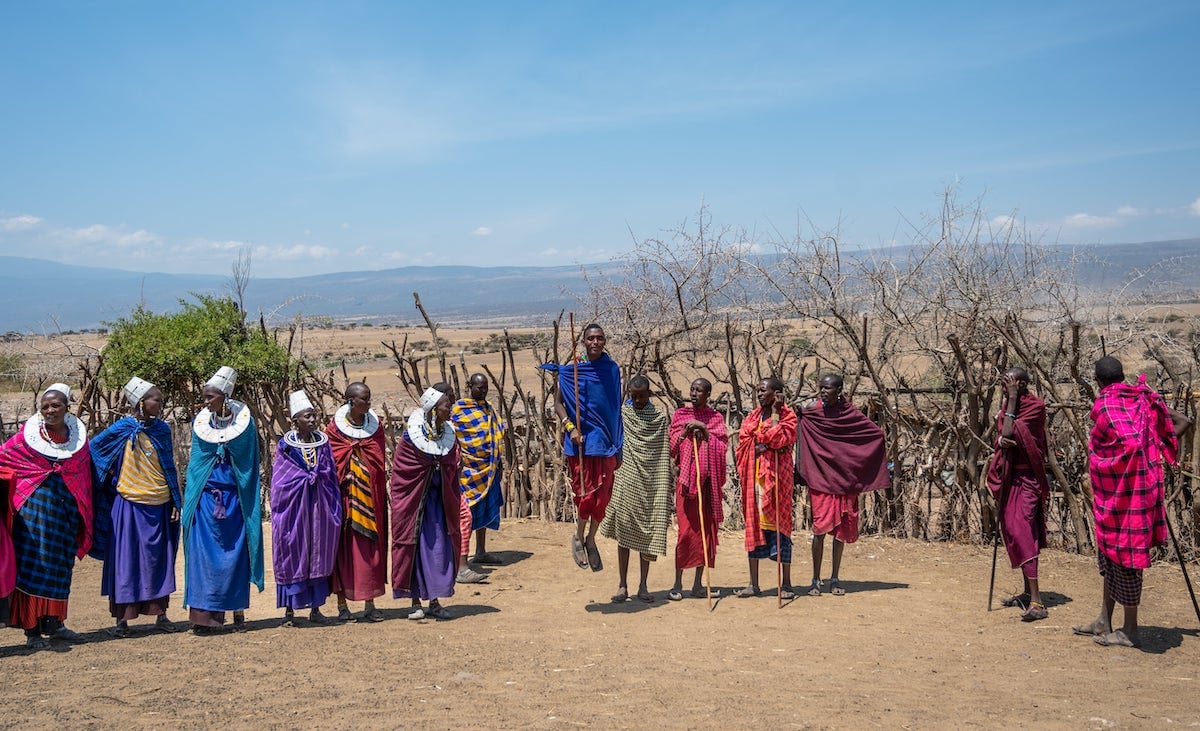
486 512
217 573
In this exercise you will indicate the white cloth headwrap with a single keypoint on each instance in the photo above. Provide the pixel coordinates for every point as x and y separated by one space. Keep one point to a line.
298 401
224 379
136 389
62 388
430 398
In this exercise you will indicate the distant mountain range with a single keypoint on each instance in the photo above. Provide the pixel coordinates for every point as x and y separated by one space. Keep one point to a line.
43 296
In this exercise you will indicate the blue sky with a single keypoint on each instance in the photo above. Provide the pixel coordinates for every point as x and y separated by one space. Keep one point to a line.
337 136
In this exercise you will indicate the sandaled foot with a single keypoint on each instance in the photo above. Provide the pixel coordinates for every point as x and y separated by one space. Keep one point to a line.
786 593
835 588
593 556
645 596
437 611
62 634
201 630
417 613
372 615
315 617
697 593
1035 612
239 622
469 576
621 596
675 595
486 559
1116 638
578 552
162 624
748 592
1092 629
36 643
815 589
120 632
1021 601
344 614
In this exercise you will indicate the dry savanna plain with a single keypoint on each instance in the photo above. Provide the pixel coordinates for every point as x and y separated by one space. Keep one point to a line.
541 645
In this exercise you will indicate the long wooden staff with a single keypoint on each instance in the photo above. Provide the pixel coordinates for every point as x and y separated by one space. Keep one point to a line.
575 372
703 534
778 534
1183 567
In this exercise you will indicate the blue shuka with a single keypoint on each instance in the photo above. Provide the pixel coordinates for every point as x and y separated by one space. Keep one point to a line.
222 518
599 401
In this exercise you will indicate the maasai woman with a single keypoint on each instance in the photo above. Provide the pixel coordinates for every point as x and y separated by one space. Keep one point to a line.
426 505
306 514
356 438
222 510
137 511
51 500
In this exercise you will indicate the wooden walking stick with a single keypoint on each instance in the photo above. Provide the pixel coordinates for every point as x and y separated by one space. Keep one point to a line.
575 376
1183 567
778 535
703 534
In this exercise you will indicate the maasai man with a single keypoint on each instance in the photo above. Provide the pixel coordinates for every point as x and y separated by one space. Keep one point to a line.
426 504
593 439
842 455
480 433
356 437
51 502
640 511
698 446
306 514
222 510
1134 431
765 469
137 504
1017 479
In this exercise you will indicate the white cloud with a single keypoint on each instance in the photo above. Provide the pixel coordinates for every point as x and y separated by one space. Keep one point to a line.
345 227
119 237
1003 221
292 253
549 252
23 222
1194 209
1131 211
746 247
1087 220
360 251
482 231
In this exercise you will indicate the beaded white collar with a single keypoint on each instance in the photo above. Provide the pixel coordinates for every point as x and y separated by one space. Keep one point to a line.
342 418
76 437
417 432
203 428
294 439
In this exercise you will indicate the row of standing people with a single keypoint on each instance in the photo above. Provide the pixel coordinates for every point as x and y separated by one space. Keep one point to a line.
118 498
621 451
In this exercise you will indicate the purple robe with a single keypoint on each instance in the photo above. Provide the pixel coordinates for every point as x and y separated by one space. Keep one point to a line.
306 519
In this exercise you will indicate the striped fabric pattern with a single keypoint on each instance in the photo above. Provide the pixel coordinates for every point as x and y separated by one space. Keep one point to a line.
45 537
361 504
640 510
142 478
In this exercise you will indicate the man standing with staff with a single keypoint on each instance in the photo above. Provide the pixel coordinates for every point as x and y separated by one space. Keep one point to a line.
698 445
588 400
1133 432
1017 479
765 469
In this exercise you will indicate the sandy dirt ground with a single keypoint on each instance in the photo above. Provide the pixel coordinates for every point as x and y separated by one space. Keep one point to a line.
542 645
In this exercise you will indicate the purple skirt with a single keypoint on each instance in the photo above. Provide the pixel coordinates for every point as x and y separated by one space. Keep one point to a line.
139 565
436 559
303 594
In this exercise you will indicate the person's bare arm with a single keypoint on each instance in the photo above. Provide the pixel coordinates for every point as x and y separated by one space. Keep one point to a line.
1180 421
